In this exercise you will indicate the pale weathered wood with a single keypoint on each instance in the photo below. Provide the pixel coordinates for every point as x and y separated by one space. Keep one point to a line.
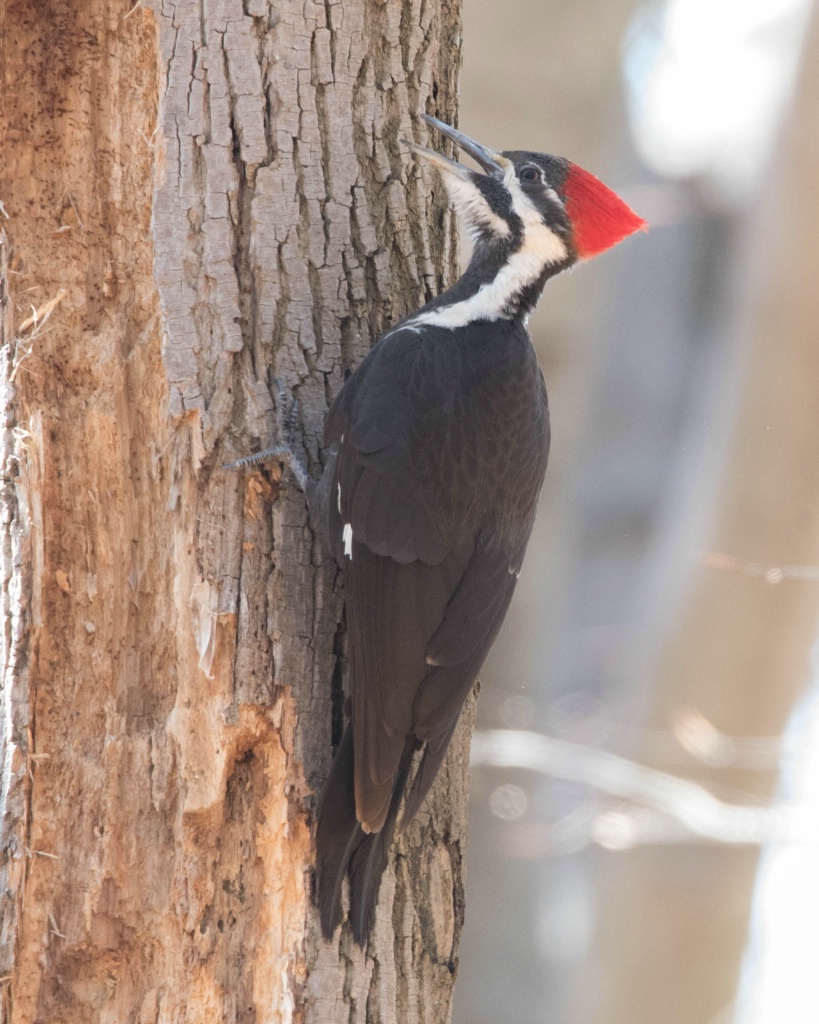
219 189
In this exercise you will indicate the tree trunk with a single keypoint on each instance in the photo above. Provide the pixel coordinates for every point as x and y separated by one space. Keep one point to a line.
209 214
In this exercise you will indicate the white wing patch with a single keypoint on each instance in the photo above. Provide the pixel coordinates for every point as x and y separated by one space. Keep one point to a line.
348 541
338 499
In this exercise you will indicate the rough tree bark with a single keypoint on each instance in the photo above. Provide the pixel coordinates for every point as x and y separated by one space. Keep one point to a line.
213 193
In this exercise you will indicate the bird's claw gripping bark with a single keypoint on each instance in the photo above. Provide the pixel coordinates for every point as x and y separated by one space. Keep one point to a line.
288 415
281 452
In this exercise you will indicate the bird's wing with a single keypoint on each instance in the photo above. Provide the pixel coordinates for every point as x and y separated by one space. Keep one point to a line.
425 596
393 611
455 654
399 571
381 493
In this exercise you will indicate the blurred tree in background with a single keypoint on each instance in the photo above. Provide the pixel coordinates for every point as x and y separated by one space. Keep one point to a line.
682 376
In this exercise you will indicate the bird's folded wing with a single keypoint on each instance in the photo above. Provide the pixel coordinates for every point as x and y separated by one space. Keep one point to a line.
393 611
425 598
418 637
384 483
456 651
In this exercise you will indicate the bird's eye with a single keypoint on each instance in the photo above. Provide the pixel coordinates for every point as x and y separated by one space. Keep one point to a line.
530 174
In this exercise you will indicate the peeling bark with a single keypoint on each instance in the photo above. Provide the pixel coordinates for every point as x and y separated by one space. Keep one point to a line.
217 188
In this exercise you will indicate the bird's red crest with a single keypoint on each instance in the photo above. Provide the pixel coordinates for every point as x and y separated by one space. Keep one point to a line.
599 217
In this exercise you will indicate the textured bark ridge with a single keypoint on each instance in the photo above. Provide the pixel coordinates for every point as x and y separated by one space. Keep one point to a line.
209 220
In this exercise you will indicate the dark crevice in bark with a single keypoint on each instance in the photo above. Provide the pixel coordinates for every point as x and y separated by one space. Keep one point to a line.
280 332
242 233
315 292
337 686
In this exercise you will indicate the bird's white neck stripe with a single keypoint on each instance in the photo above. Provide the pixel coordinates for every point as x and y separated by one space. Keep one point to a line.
495 300
498 299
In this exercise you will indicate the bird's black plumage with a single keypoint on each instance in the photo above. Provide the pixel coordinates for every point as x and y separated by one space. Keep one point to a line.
438 447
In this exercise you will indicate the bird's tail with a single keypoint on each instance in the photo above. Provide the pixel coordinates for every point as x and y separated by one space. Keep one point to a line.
343 847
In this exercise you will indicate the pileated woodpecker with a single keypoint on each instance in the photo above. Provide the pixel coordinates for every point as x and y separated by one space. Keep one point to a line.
438 447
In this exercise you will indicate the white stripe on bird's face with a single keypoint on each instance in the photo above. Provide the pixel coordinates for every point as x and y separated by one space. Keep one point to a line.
540 248
538 238
472 207
347 536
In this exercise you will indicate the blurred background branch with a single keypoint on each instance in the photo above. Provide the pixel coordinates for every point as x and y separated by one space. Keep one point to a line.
689 805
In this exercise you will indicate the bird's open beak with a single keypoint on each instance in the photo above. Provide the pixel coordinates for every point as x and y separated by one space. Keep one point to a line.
492 163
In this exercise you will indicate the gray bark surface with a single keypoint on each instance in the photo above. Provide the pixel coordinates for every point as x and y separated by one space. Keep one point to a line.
214 194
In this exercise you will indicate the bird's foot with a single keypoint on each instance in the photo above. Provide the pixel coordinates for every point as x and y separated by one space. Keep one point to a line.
284 452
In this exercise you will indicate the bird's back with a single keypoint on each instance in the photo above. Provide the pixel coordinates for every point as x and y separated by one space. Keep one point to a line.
439 441
438 447
458 419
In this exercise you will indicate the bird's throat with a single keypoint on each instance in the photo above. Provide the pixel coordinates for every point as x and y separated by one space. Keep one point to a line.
499 285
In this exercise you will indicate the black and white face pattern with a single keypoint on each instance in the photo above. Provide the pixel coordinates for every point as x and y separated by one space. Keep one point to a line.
520 204
514 211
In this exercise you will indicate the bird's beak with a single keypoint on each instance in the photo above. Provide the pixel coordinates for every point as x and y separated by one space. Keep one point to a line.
492 163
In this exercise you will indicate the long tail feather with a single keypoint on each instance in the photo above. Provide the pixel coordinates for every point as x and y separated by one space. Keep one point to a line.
337 833
431 760
342 845
369 860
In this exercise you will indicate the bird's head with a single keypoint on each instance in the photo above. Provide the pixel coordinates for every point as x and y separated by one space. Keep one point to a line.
544 206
